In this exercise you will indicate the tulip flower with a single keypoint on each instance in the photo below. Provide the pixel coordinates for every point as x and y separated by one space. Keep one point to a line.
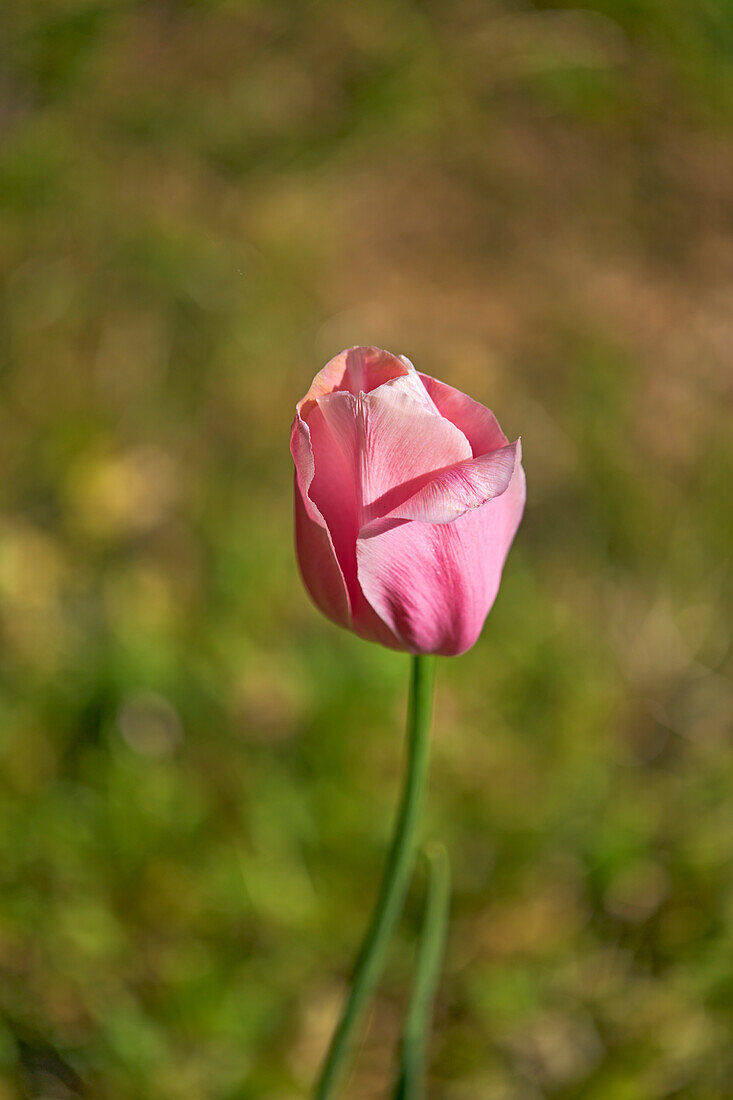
408 496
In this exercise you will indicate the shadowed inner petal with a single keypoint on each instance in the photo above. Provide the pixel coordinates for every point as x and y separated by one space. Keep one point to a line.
368 368
356 370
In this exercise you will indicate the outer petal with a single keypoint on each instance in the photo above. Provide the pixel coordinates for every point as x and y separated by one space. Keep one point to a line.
459 489
478 424
317 559
334 491
434 584
335 590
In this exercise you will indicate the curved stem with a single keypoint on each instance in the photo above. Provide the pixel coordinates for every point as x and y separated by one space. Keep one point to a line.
414 1043
370 961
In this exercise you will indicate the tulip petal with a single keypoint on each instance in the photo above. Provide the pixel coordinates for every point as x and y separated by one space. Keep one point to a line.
356 370
334 492
456 490
390 438
319 565
434 584
478 424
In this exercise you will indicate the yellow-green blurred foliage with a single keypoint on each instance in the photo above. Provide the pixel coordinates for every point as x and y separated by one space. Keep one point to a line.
201 202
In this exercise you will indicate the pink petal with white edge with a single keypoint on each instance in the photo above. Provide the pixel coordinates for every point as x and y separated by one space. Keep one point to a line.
434 584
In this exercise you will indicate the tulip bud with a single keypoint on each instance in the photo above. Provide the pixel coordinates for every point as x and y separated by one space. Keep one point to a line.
407 498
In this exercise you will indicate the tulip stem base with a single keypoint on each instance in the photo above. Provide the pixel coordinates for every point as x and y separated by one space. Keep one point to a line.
397 874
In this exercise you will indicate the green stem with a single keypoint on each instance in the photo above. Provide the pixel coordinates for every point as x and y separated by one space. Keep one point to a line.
371 958
414 1043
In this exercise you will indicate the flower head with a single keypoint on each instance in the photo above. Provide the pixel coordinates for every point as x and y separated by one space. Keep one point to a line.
407 498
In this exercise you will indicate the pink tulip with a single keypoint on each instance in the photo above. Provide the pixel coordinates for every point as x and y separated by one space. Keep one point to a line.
407 498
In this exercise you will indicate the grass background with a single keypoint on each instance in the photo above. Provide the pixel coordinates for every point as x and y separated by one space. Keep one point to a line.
202 202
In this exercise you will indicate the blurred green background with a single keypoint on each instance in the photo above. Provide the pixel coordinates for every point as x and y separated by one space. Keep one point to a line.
201 203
